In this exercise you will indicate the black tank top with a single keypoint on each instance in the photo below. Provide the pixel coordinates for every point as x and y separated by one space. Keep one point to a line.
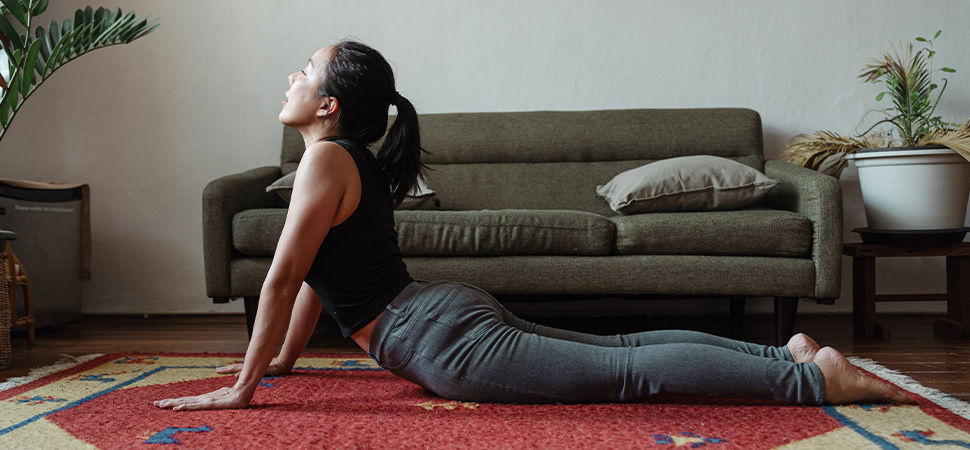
358 269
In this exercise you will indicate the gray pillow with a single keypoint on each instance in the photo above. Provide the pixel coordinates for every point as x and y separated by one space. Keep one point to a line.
686 183
420 196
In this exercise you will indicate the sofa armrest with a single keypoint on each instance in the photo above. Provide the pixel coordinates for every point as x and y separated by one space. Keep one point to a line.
222 198
817 197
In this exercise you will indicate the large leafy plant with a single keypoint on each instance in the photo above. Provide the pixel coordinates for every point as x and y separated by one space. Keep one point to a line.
910 87
31 54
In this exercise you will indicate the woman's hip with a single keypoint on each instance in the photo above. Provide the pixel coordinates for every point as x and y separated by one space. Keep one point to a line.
432 318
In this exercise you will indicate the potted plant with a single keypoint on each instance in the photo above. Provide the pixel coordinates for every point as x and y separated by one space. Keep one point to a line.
29 55
919 181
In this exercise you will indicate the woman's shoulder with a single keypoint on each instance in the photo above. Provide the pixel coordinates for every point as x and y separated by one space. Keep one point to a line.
327 156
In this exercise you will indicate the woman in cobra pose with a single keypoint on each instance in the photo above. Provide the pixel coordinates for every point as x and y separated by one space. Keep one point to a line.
338 250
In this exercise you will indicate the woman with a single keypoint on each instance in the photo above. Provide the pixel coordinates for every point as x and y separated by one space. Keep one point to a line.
338 250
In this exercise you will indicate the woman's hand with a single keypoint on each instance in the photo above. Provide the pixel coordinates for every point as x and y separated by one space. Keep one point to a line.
224 398
275 369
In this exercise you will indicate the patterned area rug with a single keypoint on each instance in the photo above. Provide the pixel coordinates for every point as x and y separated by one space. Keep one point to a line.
347 401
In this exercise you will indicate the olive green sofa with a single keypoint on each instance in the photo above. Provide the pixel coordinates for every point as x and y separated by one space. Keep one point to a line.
520 216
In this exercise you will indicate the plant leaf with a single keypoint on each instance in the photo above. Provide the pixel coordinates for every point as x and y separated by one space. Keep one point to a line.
17 9
948 70
921 39
45 50
31 61
12 94
130 33
149 30
938 33
10 33
107 35
880 96
40 7
54 33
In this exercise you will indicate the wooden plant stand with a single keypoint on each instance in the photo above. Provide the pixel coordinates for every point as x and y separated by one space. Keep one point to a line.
956 325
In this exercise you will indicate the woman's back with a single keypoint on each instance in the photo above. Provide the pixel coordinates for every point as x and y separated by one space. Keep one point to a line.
358 269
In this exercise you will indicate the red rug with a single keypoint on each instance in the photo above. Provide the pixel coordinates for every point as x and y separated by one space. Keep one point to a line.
347 401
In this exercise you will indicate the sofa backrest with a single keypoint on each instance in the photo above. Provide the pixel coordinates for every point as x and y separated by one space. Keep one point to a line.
555 159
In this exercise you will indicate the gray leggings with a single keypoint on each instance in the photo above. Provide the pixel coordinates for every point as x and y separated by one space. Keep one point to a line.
459 342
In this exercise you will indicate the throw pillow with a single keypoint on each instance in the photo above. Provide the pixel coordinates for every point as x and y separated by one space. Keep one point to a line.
686 183
420 197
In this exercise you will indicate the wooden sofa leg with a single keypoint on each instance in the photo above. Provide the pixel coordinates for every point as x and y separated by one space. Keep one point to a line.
737 317
250 303
785 309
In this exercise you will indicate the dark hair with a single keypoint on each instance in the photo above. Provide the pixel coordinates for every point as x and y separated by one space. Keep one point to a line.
363 83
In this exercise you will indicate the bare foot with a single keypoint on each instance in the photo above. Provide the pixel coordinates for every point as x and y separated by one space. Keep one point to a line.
802 347
845 384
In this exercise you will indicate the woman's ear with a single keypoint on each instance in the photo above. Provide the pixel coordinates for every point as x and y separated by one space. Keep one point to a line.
328 107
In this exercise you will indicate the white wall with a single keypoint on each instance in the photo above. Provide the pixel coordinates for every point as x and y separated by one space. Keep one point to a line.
147 125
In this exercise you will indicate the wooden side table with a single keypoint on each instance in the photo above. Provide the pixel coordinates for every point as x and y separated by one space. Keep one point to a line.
957 297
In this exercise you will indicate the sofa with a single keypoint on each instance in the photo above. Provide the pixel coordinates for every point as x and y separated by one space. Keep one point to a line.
519 216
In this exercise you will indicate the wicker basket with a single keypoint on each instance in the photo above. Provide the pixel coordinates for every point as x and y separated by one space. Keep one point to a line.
6 353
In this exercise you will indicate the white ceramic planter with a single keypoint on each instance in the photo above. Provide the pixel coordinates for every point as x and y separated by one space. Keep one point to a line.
913 189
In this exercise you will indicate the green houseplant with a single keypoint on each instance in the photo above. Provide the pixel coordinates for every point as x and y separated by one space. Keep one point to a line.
916 181
32 53
910 87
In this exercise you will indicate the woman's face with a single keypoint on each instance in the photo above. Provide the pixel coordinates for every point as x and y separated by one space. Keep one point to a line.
303 103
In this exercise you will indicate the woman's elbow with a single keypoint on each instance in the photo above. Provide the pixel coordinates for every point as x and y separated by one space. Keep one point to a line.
282 282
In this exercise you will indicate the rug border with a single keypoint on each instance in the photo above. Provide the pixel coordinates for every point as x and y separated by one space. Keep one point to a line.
65 363
73 364
949 403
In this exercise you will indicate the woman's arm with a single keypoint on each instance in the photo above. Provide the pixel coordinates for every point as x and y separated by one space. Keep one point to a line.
321 180
303 320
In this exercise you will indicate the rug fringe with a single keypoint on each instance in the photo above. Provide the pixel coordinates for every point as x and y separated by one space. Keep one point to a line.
66 362
955 405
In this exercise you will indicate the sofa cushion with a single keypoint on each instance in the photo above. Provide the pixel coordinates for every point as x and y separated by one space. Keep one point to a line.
503 232
255 232
753 231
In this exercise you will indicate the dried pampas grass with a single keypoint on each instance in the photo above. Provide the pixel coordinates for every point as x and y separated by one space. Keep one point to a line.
957 139
813 152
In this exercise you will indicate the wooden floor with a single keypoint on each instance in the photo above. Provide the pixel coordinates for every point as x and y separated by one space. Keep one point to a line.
940 363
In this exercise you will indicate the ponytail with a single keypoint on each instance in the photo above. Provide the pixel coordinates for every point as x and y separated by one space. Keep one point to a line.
363 81
400 153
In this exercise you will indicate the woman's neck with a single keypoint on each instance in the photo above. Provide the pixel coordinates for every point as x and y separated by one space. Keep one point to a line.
317 132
